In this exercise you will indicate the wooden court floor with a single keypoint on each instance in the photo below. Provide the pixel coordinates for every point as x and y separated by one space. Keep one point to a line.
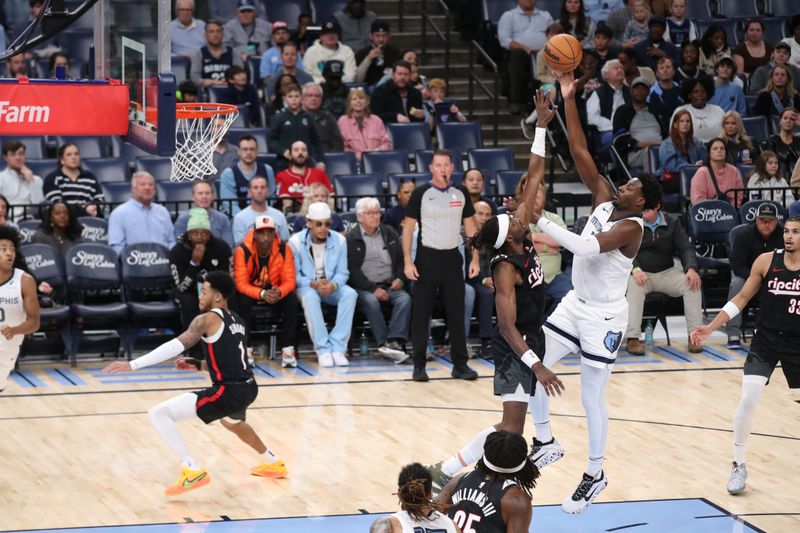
78 449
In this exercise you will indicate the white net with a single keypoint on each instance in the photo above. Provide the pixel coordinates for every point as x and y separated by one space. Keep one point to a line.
197 136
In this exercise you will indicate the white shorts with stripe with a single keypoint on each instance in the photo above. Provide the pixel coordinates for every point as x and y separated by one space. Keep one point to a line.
594 330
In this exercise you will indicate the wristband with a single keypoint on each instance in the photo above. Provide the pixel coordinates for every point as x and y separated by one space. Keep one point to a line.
261 294
335 286
731 309
529 358
636 269
538 146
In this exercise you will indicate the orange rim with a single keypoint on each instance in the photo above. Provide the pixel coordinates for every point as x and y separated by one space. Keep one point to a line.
203 110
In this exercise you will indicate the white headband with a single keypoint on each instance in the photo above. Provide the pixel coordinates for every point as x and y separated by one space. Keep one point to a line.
502 232
500 470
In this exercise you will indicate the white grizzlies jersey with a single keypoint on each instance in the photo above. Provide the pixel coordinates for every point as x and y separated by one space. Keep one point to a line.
604 277
12 311
436 523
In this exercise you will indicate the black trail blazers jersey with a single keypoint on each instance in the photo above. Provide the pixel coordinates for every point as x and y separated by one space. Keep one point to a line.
225 351
476 503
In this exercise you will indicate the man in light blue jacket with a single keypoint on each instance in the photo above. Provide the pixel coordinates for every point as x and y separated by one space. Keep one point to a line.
320 261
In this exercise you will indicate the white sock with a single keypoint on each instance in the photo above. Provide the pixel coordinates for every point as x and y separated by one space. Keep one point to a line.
469 454
595 466
269 457
752 387
164 417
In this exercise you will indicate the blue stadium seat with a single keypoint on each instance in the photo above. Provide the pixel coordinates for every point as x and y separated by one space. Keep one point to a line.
489 161
286 10
215 93
242 120
417 177
253 67
738 8
323 10
116 193
108 170
95 229
34 145
234 134
174 191
782 8
385 163
687 173
340 163
710 221
460 135
747 213
551 6
774 28
750 101
507 181
180 68
268 159
26 230
356 185
456 179
494 9
653 161
41 167
745 171
158 167
410 137
129 153
698 9
729 25
95 267
89 146
756 127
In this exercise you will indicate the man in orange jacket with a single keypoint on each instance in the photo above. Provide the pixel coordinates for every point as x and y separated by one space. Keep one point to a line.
263 269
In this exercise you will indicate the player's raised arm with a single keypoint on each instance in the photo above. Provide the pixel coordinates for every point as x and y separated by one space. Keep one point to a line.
751 287
544 114
587 170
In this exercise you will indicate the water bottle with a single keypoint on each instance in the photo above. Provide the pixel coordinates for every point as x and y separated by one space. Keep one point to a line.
363 347
648 337
429 349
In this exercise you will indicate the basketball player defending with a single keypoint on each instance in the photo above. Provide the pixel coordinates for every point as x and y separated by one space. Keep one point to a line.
233 386
19 305
591 319
496 496
776 275
518 340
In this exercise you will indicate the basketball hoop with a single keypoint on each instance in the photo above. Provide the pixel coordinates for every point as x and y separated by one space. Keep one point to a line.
199 127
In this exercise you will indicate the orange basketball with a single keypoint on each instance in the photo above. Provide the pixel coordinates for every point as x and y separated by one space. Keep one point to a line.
563 52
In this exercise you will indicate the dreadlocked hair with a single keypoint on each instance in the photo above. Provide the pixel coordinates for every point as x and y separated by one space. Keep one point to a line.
8 233
507 450
413 487
651 190
486 237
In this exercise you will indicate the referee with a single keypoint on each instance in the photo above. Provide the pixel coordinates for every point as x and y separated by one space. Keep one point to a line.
440 210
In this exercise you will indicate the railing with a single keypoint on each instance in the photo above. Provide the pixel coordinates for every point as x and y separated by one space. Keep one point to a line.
445 36
473 77
402 14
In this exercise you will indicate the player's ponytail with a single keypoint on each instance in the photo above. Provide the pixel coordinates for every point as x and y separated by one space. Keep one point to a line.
413 490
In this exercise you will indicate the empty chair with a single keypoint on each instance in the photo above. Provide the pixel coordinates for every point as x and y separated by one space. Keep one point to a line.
127 152
41 167
34 145
507 181
116 193
756 127
457 179
737 8
340 163
489 161
253 65
158 167
288 10
260 134
323 10
89 146
774 29
354 186
107 170
174 191
26 230
460 135
418 178
409 137
385 163
698 9
95 229
710 222
782 8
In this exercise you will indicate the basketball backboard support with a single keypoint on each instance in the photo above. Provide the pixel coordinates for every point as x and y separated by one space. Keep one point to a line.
132 44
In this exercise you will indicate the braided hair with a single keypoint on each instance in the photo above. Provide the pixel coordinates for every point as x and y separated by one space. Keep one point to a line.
484 240
414 485
507 450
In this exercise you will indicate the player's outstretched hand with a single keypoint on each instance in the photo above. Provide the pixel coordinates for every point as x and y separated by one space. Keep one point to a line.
545 111
700 334
552 385
568 85
118 366
185 363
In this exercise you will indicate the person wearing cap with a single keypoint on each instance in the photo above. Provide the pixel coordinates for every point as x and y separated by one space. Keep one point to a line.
210 62
328 47
334 92
241 93
247 32
288 65
650 50
728 93
258 192
606 99
329 133
654 270
320 262
272 60
640 120
376 60
762 235
263 270
197 252
187 33
781 55
291 125
225 10
398 101
355 21
203 198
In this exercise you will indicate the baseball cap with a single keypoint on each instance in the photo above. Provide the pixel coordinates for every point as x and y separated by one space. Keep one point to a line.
264 222
783 45
318 211
330 27
767 210
333 68
379 25
641 80
279 25
657 20
246 5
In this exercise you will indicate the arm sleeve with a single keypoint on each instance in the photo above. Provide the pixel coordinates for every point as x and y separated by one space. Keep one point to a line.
168 350
576 244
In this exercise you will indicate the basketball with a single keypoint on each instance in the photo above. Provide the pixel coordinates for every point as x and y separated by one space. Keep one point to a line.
563 52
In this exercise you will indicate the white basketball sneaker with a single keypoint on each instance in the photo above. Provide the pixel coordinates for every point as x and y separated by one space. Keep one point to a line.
545 454
736 483
325 360
340 359
588 489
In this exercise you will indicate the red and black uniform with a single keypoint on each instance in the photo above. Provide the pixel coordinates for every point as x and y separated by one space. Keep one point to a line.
234 387
477 501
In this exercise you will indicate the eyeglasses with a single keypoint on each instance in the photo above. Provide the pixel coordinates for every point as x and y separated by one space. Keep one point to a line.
321 223
372 213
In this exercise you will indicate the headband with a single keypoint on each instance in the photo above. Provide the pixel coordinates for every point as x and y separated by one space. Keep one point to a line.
502 232
500 470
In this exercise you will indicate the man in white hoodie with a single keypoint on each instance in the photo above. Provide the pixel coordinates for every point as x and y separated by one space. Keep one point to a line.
328 47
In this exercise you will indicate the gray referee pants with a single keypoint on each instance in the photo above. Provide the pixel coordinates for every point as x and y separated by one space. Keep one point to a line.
439 269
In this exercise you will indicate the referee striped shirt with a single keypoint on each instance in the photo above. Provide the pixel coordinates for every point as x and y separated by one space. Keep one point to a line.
440 213
84 190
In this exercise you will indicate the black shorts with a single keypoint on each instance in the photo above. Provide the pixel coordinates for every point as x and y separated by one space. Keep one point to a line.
770 348
511 375
226 401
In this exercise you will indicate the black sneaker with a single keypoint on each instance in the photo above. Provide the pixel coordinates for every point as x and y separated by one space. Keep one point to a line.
464 372
588 489
420 375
